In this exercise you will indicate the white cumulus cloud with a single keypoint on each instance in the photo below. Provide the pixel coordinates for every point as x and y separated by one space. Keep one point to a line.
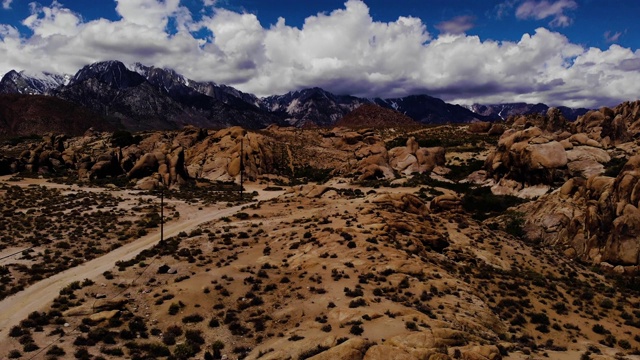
6 4
53 21
344 51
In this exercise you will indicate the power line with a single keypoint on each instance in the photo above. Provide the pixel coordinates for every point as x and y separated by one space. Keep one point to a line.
123 290
16 253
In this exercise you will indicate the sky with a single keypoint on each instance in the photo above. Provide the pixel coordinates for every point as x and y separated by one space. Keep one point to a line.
578 53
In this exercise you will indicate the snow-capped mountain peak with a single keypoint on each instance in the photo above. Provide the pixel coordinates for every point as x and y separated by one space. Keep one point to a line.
30 83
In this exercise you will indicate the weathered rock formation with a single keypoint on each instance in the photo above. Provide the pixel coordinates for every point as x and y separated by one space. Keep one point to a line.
533 157
611 127
596 220
412 158
528 156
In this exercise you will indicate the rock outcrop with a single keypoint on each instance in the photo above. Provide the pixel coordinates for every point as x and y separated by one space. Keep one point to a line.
596 219
533 157
528 156
611 127
412 158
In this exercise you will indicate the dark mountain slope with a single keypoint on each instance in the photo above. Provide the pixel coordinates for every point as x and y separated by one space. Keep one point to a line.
371 115
22 115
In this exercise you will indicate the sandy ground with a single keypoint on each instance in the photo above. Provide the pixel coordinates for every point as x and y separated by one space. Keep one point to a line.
18 306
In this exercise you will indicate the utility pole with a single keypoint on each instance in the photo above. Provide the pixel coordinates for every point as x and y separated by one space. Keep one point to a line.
162 213
241 166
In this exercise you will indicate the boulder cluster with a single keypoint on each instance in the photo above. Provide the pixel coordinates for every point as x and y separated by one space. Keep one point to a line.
592 216
376 162
170 158
48 155
596 220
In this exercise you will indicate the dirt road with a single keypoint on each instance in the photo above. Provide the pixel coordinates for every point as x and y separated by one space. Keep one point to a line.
34 298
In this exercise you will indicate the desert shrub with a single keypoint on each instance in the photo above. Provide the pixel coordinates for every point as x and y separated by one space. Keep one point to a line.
242 215
308 173
599 329
539 318
459 172
514 223
561 308
16 331
194 336
353 293
609 340
356 330
29 347
410 325
217 347
156 350
185 351
14 354
295 337
174 308
113 351
137 325
606 304
122 138
82 354
625 344
126 334
518 320
169 338
102 334
357 303
312 352
613 167
175 330
482 203
194 318
83 341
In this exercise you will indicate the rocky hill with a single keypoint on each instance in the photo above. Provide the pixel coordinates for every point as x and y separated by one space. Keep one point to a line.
24 115
586 172
311 107
429 110
370 115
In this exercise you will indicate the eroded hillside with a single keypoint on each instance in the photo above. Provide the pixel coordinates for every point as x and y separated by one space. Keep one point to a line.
470 242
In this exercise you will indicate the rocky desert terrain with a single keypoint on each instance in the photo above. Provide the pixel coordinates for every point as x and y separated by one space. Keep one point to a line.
514 240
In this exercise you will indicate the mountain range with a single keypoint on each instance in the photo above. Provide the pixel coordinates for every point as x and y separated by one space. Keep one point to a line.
504 111
140 97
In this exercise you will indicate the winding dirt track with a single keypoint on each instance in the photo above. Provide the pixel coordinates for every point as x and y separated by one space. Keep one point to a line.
34 298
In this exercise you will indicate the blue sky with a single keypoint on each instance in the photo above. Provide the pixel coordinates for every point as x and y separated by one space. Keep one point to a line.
562 52
594 23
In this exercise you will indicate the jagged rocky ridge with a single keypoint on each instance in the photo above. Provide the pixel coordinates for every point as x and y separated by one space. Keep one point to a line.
15 82
150 98
504 111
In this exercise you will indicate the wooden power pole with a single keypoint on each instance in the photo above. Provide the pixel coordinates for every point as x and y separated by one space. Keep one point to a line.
241 166
162 214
